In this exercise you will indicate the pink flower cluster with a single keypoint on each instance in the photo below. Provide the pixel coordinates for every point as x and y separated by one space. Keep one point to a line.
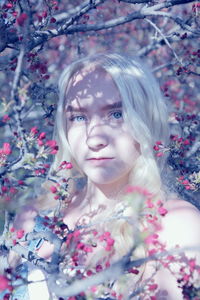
6 150
106 237
186 183
60 191
5 283
180 141
65 165
47 146
8 189
159 148
16 234
5 118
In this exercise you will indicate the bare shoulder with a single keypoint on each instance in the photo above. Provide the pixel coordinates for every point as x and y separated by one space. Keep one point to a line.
178 209
181 225
179 204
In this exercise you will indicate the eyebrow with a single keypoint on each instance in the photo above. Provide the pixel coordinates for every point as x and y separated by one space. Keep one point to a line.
71 108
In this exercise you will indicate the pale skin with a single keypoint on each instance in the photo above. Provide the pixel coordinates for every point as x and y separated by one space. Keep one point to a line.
102 145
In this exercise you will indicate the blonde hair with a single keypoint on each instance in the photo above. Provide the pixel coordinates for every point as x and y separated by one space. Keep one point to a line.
144 110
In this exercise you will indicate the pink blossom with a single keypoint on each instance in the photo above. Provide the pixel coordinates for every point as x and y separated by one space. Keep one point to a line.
81 246
42 136
4 283
20 182
76 233
192 264
53 20
13 190
162 211
108 248
12 229
4 188
54 151
186 142
88 249
66 165
40 143
149 203
51 143
156 148
9 5
20 233
159 154
46 166
6 149
44 14
21 19
186 277
99 268
188 187
133 271
106 234
34 130
110 242
185 182
113 294
89 273
152 239
171 258
6 118
69 165
93 289
53 189
152 252
153 287
107 264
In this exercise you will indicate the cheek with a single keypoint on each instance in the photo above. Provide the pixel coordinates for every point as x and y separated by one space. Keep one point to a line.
128 147
76 142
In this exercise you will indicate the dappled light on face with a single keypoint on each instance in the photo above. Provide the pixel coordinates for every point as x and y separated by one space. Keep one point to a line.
94 124
85 85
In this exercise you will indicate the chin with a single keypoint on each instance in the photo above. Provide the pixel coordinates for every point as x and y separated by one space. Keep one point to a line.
105 180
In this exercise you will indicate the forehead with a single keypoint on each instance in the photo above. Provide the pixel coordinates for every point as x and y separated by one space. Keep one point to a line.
91 85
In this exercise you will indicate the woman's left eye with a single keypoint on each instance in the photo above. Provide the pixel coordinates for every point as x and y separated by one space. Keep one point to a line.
78 118
116 114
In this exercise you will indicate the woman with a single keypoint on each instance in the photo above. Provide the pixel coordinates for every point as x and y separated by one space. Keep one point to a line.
110 114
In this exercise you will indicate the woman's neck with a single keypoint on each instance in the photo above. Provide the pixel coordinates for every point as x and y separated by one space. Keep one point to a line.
104 194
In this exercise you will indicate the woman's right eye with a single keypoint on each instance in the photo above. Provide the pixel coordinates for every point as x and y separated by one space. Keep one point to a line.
77 118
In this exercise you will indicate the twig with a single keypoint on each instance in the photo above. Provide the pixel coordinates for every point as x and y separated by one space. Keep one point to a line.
193 149
136 1
17 74
165 39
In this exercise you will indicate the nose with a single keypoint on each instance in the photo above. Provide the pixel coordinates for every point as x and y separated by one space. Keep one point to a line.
97 138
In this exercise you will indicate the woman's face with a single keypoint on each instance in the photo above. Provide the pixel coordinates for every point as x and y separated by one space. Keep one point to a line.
99 139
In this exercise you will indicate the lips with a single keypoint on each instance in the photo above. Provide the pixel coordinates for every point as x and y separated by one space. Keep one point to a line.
100 158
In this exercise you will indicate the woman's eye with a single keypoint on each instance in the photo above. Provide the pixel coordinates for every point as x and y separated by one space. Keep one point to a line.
77 118
116 114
